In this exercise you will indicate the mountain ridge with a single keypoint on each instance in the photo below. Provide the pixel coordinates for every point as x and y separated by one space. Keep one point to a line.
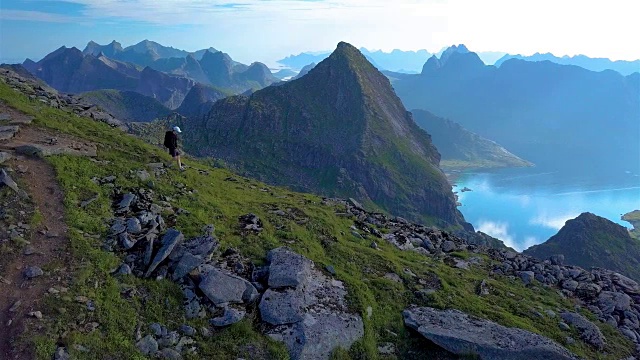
374 141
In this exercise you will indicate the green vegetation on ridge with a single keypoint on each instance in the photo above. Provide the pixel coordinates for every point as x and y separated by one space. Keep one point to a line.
124 302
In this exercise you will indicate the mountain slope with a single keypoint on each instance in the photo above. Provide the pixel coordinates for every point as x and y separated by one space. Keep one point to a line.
550 114
199 100
593 64
590 240
461 148
382 281
339 130
127 105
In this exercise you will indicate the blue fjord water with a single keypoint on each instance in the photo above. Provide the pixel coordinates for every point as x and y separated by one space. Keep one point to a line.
526 206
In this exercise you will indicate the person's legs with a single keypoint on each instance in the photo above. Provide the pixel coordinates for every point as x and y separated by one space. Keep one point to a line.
179 162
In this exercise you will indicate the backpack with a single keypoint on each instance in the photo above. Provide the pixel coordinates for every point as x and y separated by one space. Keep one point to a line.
168 139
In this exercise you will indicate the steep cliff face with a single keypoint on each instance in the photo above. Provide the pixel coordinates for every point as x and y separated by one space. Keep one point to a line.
591 240
199 101
339 130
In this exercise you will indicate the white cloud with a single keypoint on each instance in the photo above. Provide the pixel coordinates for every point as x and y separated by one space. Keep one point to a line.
555 222
25 15
499 230
563 27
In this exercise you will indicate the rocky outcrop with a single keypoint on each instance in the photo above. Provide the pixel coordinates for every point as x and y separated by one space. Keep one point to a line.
612 297
308 310
593 241
462 334
36 90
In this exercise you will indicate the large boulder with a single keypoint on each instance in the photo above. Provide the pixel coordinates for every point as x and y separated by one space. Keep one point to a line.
307 309
462 334
287 269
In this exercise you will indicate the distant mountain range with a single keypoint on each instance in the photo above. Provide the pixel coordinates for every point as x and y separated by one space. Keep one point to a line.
340 130
163 74
550 114
592 241
143 53
593 64
460 148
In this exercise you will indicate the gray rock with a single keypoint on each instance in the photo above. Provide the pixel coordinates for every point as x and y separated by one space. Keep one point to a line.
589 332
33 272
448 246
609 302
119 226
169 241
588 290
187 263
282 307
221 287
126 241
169 353
124 269
570 285
462 334
133 226
526 276
557 259
187 330
168 340
148 252
230 316
287 269
628 333
143 175
627 285
61 354
563 326
126 202
156 328
6 180
193 309
317 336
4 156
250 294
353 202
147 345
427 244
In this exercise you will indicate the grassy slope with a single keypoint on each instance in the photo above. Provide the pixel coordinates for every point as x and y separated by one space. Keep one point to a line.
127 105
325 238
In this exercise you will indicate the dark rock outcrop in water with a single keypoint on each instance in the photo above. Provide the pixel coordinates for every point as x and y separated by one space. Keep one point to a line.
340 131
462 334
592 241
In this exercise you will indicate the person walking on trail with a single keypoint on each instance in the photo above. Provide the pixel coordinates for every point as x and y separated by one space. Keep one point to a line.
171 142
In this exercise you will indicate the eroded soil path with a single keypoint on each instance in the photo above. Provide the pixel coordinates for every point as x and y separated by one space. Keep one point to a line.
48 242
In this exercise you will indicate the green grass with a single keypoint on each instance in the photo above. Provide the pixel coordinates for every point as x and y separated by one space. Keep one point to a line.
324 237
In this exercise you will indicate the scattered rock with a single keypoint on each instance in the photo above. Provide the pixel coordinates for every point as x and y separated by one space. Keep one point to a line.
526 276
33 272
61 354
187 330
462 334
230 316
169 241
4 156
36 314
169 353
221 287
148 345
6 180
589 332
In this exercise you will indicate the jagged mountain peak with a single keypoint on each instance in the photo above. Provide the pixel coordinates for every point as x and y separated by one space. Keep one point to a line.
452 50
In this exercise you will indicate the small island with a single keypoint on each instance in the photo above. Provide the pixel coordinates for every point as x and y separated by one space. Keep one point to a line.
633 218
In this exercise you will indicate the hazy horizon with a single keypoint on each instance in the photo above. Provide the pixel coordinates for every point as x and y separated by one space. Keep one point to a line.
258 30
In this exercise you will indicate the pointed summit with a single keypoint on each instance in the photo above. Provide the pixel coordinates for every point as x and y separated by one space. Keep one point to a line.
451 50
339 131
431 66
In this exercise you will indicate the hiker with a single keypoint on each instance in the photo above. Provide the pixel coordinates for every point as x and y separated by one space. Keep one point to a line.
171 142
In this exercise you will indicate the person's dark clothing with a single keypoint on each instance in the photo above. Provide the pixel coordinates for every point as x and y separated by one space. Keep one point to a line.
171 142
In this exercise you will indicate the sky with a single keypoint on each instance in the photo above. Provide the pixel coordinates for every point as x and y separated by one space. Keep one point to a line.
267 30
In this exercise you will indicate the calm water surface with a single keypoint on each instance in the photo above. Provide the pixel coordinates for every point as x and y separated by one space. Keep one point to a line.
526 206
